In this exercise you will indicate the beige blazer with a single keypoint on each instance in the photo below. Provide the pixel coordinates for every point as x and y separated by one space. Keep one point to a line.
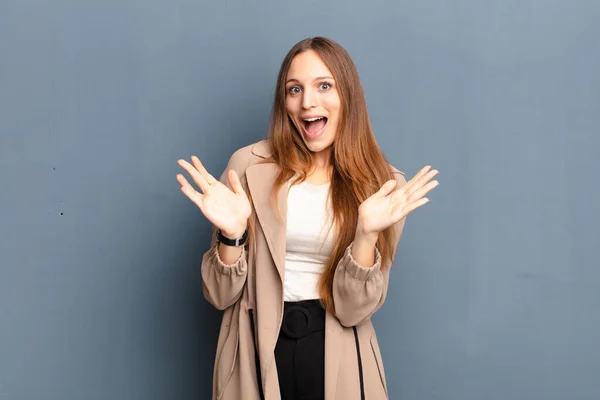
251 294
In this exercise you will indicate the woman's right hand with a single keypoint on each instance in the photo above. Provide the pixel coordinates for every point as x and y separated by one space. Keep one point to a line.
226 209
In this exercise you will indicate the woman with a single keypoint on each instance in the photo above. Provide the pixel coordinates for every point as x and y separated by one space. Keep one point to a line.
306 225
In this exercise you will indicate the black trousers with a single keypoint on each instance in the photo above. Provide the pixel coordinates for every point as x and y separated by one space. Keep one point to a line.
300 351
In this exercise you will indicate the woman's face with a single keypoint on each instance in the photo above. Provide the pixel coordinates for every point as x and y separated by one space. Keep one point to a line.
312 101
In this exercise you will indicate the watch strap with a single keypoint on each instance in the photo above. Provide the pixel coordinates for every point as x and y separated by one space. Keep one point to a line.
232 242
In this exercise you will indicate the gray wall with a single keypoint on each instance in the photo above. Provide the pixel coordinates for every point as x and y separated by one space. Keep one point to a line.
496 291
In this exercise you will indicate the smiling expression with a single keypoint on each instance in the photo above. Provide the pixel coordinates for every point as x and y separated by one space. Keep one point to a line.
312 101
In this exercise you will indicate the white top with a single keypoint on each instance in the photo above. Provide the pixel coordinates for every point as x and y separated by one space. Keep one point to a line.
309 241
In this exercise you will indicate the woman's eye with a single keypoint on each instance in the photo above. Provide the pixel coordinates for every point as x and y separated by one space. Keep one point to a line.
325 86
294 90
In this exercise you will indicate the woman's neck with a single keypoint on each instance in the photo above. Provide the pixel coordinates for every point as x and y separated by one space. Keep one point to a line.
321 172
319 176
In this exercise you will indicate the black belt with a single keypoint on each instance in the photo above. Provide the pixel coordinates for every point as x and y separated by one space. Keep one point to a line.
302 317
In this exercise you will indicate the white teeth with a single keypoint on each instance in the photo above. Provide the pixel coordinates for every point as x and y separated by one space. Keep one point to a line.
313 119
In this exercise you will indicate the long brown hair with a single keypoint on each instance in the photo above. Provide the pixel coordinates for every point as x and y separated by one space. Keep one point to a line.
359 167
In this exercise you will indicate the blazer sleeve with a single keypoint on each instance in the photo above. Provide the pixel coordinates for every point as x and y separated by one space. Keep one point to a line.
358 292
222 284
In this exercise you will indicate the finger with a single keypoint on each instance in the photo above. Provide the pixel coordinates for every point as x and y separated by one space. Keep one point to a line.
386 188
419 183
190 192
417 194
185 185
235 182
195 197
407 186
209 178
402 212
198 178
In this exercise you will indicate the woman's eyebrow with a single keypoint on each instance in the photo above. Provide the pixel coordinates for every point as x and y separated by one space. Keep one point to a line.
316 79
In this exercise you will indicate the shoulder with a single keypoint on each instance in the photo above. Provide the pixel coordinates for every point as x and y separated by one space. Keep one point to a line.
249 155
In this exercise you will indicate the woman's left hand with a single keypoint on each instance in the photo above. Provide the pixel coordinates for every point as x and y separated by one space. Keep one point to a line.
390 204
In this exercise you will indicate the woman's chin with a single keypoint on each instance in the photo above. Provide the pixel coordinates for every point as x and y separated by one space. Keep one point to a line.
318 146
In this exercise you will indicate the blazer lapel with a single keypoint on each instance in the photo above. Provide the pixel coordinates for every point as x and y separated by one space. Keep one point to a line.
261 178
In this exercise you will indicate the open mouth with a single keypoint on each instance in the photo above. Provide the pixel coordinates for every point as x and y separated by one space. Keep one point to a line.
314 126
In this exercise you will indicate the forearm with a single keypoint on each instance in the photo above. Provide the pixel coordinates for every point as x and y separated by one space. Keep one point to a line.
358 290
359 284
223 282
363 248
229 254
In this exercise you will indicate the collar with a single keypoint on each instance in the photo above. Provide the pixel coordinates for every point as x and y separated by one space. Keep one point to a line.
262 149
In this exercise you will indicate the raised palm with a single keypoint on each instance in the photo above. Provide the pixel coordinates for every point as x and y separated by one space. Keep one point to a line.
390 204
225 208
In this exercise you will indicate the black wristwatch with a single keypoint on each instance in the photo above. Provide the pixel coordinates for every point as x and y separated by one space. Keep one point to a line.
232 242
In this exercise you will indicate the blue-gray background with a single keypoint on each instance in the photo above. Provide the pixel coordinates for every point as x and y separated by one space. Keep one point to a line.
496 291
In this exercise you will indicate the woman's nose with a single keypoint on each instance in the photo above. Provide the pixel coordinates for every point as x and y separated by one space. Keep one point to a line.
308 99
